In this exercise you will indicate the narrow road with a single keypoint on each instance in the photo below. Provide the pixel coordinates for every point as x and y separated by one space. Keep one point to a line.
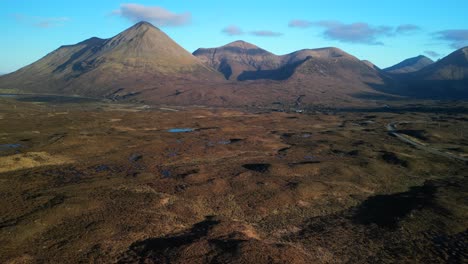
391 128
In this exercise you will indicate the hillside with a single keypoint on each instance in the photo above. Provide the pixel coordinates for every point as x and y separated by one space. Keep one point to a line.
452 67
140 58
237 57
410 65
310 74
370 64
444 79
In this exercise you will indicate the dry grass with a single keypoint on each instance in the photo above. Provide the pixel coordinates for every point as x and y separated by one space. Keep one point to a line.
89 184
31 160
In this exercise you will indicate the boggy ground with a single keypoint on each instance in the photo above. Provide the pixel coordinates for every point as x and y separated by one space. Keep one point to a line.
99 182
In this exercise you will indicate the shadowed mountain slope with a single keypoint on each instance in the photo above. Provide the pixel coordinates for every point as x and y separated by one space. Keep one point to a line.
444 79
452 67
237 57
410 65
370 64
313 73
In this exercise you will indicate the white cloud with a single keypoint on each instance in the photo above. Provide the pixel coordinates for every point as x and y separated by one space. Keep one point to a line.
458 38
407 28
299 23
266 33
154 14
355 32
232 30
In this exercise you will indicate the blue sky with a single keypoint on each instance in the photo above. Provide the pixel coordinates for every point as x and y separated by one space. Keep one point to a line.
384 32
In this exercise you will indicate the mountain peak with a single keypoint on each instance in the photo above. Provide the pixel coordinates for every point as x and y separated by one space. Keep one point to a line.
456 58
322 53
422 57
410 65
143 40
143 24
236 58
241 44
141 52
140 27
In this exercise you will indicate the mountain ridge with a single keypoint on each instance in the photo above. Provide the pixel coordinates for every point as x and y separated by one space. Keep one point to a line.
445 79
241 61
410 65
452 67
236 57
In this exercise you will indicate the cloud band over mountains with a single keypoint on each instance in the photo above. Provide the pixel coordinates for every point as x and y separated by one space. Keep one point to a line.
233 30
432 53
299 23
354 33
358 32
266 33
154 14
407 29
457 38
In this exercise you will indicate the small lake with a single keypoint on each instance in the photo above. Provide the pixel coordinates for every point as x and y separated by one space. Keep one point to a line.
6 149
180 130
8 95
49 98
9 146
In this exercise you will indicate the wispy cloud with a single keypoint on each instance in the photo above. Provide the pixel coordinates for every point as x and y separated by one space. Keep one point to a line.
432 54
407 29
299 23
41 22
154 14
266 33
457 38
354 33
232 30
359 32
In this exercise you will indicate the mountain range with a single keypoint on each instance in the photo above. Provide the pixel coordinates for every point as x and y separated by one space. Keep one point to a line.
444 79
143 64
